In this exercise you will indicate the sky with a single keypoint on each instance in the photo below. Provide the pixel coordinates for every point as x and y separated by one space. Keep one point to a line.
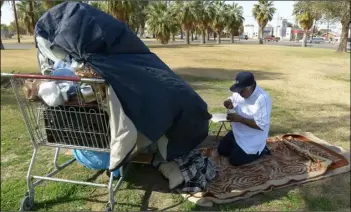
283 10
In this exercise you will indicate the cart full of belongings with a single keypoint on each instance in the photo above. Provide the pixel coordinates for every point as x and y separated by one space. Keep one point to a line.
150 107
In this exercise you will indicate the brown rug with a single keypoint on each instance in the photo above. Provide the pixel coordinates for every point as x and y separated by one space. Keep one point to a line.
295 159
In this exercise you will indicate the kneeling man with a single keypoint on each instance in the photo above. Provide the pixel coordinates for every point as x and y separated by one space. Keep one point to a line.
249 111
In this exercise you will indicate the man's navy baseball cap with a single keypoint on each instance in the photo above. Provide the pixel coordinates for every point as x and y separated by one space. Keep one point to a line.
242 80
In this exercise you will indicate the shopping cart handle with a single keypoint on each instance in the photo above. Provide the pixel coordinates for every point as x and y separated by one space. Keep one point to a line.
49 77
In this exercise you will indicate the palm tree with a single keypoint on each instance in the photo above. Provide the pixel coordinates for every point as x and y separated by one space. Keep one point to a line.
220 18
203 17
159 21
16 20
235 20
122 10
142 15
263 12
186 12
96 4
305 14
47 4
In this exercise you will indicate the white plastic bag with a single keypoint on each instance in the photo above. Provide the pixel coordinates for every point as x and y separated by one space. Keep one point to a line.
50 93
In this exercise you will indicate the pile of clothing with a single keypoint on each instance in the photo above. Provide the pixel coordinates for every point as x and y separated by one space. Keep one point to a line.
149 103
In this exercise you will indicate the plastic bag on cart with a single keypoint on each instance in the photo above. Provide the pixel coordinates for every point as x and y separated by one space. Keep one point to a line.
157 101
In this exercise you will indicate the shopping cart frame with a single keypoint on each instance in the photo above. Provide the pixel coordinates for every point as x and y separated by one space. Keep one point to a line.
28 201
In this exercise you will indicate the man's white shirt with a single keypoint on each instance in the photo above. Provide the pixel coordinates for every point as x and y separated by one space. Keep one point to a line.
258 107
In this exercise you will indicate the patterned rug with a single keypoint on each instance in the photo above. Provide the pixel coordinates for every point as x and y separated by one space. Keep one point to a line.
294 159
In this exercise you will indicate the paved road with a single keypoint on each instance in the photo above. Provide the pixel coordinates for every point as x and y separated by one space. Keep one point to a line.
180 42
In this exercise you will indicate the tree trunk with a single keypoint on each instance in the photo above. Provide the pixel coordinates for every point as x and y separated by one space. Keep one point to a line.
231 38
173 36
195 35
208 34
181 34
142 30
187 37
192 36
219 37
16 21
261 35
344 37
31 10
203 36
304 39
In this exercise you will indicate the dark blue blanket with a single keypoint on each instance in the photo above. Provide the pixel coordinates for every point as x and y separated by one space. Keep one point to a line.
152 95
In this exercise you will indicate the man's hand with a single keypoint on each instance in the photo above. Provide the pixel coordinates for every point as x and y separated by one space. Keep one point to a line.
228 104
234 117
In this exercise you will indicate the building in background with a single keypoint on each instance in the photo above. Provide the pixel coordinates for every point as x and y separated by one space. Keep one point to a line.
250 31
268 31
283 30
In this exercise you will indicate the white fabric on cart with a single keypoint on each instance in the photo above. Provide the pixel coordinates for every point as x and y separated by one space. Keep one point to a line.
123 131
124 135
46 53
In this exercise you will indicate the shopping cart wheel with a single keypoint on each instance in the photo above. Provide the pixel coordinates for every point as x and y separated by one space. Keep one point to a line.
108 207
26 204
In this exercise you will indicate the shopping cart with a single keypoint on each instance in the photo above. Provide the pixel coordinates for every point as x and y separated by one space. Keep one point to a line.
74 125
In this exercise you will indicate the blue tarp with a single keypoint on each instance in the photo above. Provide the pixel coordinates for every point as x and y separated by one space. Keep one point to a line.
152 95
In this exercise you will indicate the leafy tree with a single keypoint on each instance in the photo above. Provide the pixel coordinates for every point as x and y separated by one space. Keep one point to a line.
186 13
263 13
203 16
47 4
338 11
306 13
159 20
235 20
220 18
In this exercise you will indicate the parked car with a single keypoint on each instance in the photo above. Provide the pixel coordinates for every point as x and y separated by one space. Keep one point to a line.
272 38
243 37
316 40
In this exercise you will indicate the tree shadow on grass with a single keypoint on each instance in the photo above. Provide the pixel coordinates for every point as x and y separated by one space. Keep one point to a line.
213 74
218 79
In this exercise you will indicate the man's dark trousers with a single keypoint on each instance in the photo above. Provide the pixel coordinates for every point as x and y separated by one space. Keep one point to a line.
229 148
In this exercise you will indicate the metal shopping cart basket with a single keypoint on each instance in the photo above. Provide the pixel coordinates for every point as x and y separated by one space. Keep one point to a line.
74 125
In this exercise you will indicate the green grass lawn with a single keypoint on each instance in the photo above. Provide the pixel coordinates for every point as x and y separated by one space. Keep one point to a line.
310 92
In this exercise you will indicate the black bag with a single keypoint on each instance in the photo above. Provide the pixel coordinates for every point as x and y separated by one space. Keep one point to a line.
80 126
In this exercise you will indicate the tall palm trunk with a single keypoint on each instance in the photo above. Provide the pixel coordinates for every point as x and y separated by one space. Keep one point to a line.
219 37
187 36
208 34
261 35
16 20
203 37
142 30
231 38
344 36
31 13
304 39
